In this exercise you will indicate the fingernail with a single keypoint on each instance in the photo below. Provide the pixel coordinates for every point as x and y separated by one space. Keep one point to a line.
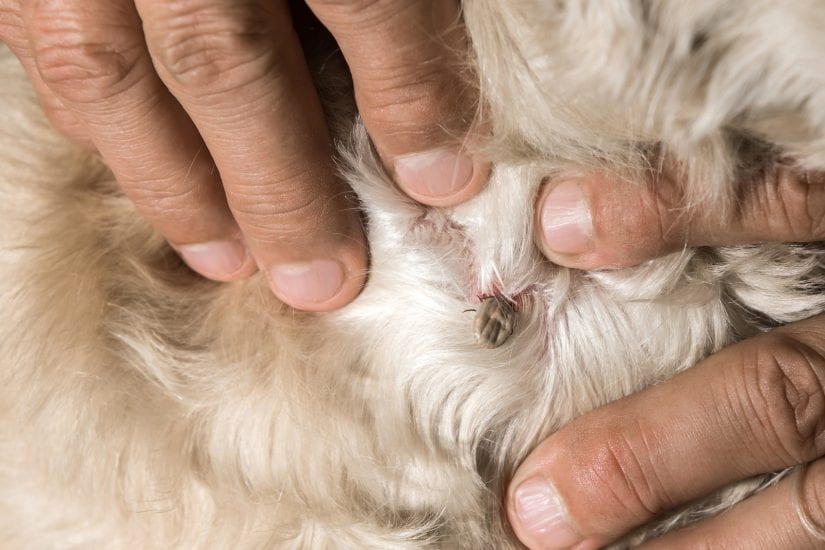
438 173
219 260
542 515
566 222
306 284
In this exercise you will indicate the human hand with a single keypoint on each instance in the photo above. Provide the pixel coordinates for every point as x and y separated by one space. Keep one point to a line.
206 113
755 407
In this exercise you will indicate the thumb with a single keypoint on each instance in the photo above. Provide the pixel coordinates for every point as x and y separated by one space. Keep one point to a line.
601 220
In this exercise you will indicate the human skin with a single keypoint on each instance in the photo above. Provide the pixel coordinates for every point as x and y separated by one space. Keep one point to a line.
235 172
755 407
206 113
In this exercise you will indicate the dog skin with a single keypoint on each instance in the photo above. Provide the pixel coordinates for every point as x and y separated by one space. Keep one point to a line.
145 407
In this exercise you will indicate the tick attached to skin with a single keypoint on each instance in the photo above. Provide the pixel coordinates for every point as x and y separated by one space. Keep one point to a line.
495 321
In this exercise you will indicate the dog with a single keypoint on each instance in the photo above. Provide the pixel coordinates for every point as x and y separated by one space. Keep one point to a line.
145 407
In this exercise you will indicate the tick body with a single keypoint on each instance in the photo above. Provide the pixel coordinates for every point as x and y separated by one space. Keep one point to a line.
495 321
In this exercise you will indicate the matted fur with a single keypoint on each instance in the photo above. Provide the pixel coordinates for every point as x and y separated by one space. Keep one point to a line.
144 407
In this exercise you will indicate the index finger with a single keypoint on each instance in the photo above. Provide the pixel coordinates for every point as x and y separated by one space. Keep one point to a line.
408 63
753 408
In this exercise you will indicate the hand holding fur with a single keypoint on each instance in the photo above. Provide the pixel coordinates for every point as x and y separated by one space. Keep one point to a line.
144 407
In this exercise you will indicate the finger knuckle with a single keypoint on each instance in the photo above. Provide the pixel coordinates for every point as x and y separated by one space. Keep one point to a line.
814 191
184 211
785 388
212 46
403 103
12 30
365 13
791 203
162 201
84 63
812 494
670 221
627 480
353 6
275 215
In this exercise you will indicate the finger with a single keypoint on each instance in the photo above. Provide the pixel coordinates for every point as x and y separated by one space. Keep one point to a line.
602 220
756 407
787 516
405 57
13 34
238 70
95 62
60 116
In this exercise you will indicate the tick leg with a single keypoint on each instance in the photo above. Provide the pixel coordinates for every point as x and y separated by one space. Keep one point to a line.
495 321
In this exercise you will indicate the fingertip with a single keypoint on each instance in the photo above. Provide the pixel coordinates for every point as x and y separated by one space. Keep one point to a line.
536 508
220 260
565 221
539 517
565 230
315 285
440 177
320 284
599 220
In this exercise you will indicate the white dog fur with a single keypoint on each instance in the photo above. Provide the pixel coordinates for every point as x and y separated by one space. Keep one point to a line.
144 407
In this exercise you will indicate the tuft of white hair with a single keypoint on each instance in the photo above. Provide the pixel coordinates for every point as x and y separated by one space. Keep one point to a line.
144 407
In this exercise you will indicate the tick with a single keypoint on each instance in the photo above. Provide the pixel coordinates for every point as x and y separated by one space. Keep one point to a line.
495 321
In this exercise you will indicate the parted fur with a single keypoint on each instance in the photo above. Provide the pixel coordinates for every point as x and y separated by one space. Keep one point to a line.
144 407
